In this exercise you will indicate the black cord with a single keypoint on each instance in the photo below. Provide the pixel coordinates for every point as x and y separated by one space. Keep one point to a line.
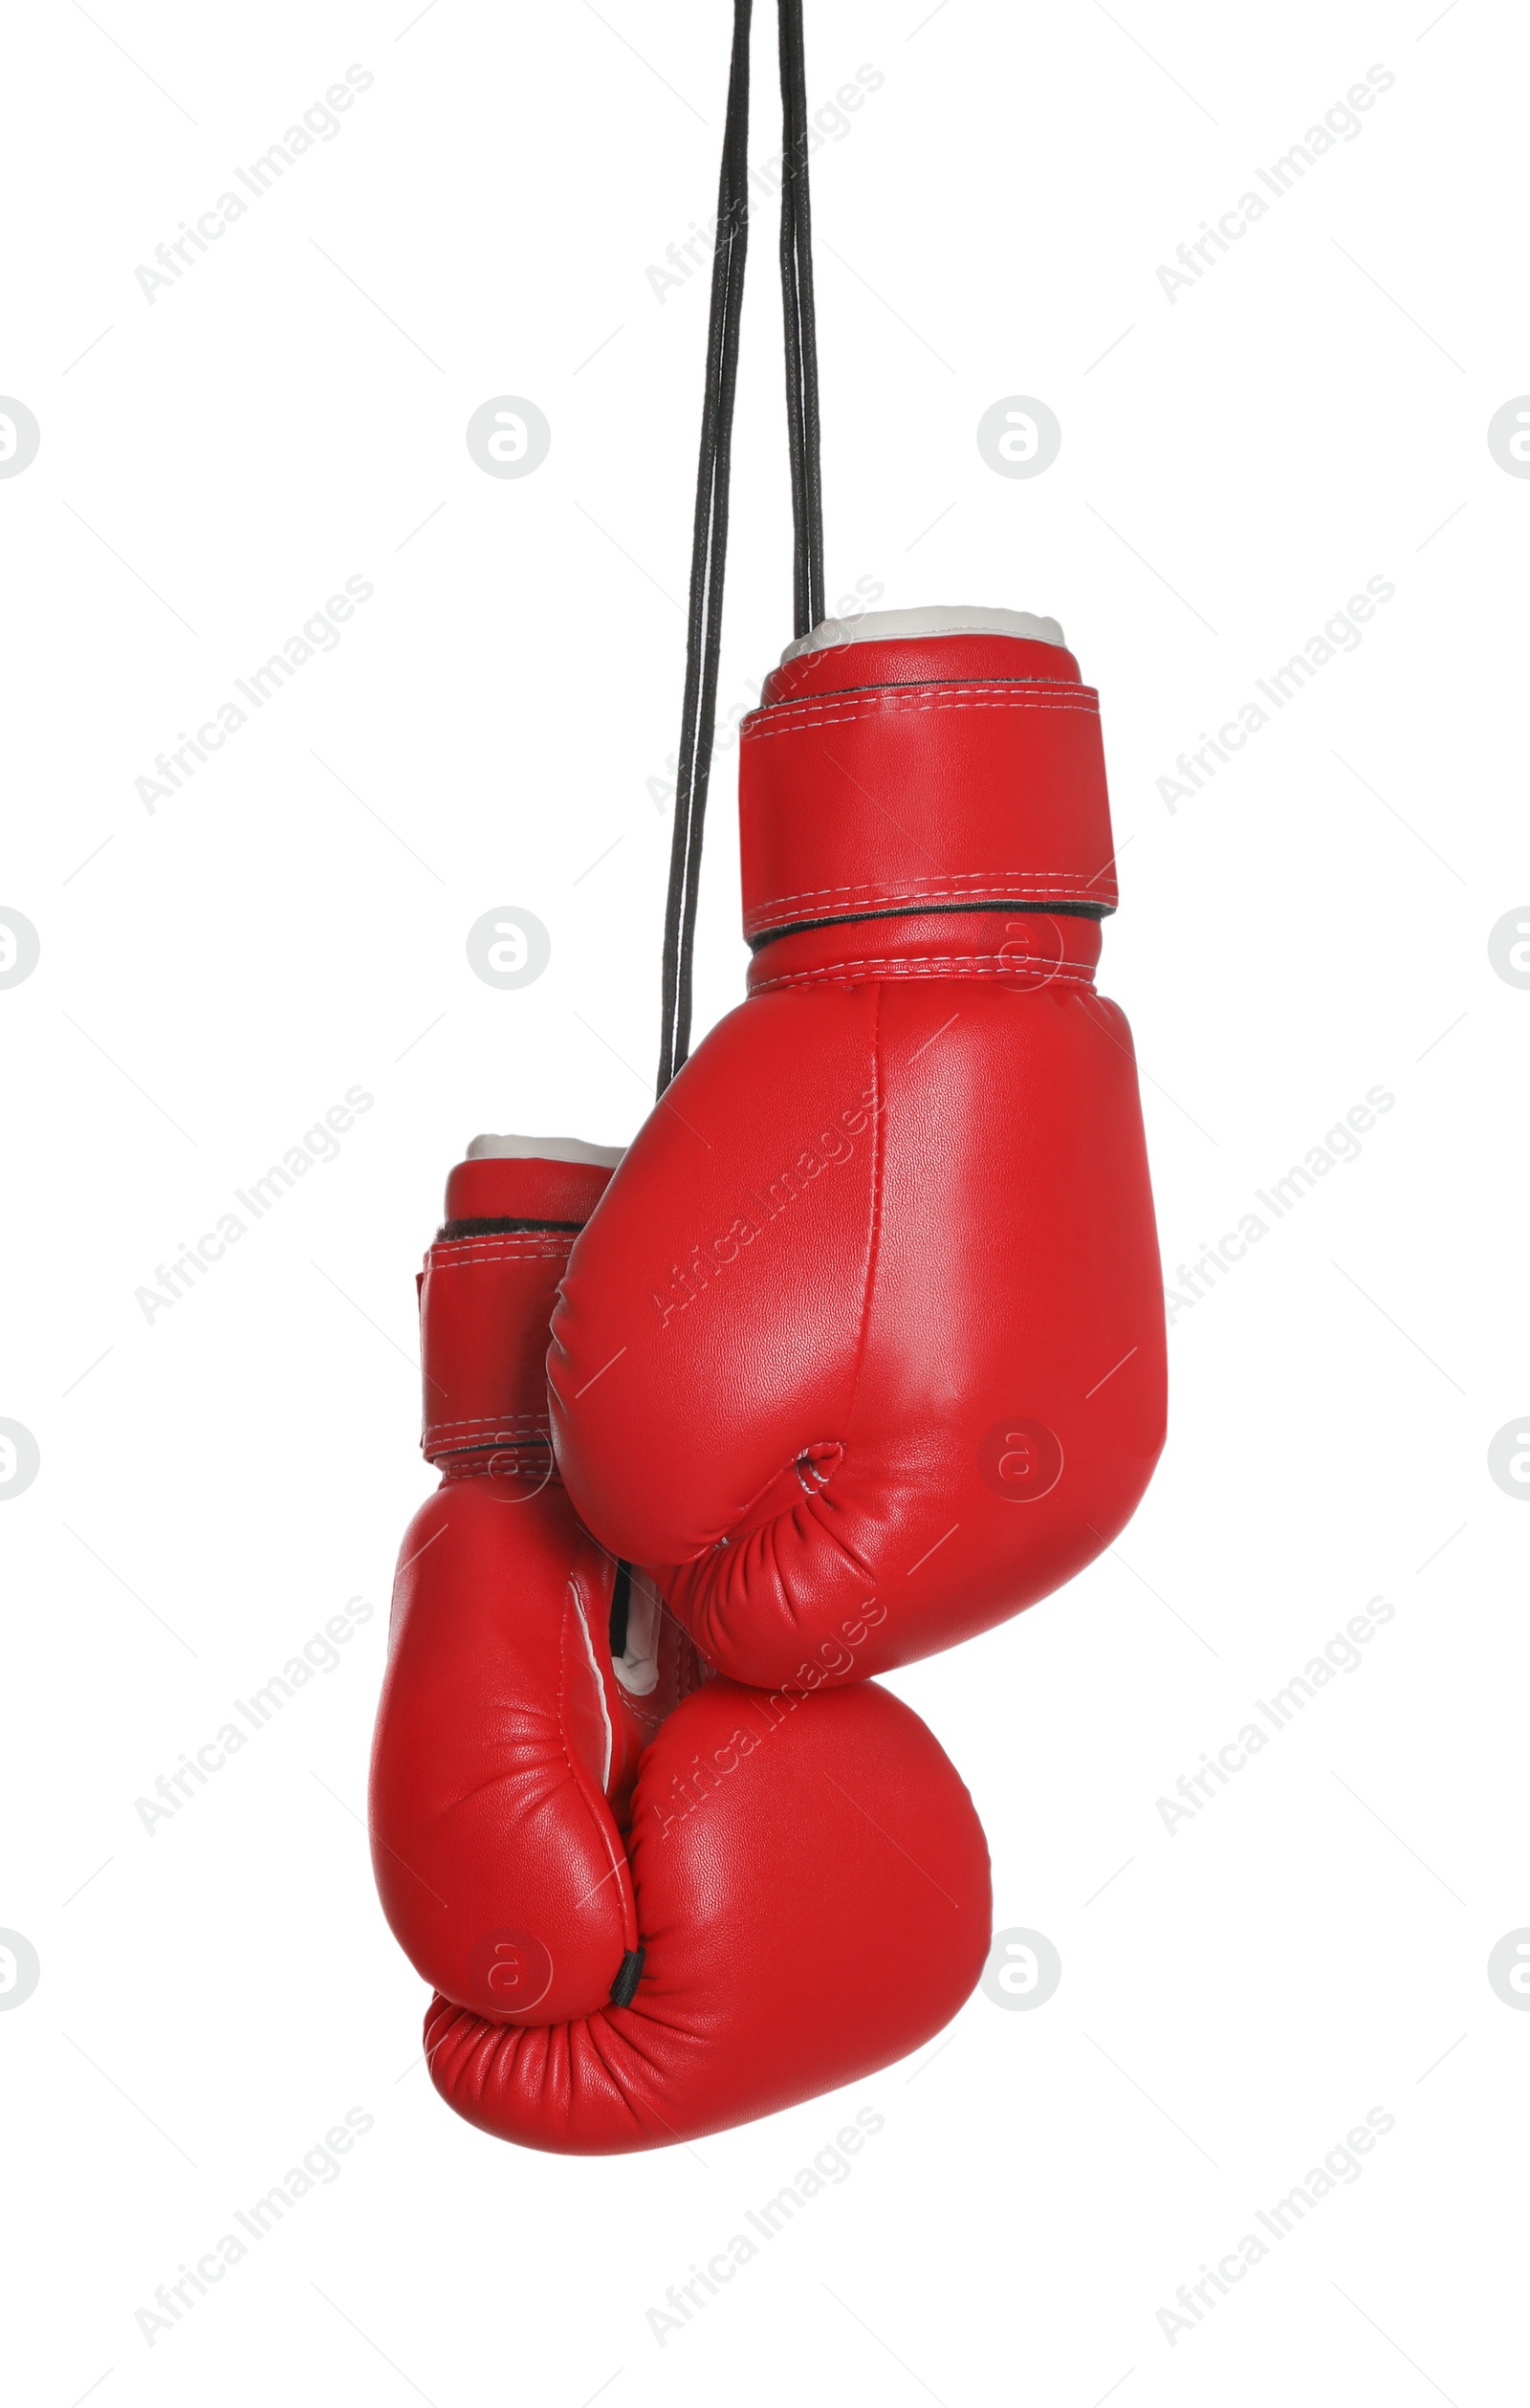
707 555
709 539
802 330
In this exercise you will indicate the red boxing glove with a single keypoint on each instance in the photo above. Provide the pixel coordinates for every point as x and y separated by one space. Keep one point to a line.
652 1903
867 1336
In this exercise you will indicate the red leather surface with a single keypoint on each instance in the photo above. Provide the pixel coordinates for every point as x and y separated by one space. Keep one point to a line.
807 1876
489 1806
501 1189
812 1887
947 792
864 1345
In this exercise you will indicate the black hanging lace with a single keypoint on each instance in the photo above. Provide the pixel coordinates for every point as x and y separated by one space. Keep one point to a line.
709 540
801 331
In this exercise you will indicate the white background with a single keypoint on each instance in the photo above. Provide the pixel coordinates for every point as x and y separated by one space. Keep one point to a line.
216 1483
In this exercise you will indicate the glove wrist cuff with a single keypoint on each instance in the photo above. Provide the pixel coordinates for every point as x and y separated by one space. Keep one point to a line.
1018 946
939 774
486 1297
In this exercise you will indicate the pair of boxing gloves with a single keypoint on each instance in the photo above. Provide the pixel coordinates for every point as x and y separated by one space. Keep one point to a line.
857 1350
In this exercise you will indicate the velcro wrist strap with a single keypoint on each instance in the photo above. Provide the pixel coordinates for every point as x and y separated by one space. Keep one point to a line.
944 794
485 1303
513 1210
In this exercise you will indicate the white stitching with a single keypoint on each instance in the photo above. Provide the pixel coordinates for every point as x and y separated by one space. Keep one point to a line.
937 966
474 1463
459 1249
869 886
512 1424
454 1253
1017 885
791 718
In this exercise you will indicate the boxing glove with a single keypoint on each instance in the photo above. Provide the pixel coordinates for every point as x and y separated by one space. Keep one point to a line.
863 1349
652 1903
